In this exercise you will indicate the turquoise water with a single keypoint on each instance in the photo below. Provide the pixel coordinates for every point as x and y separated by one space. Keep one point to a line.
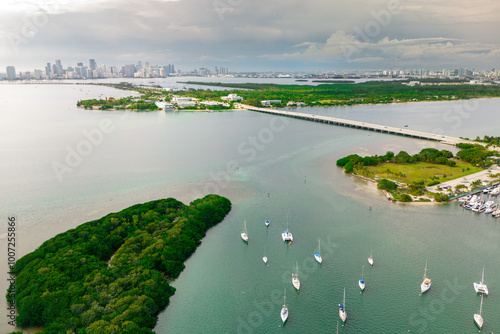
269 168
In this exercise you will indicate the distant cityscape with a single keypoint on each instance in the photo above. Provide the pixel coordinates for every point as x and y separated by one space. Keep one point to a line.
56 71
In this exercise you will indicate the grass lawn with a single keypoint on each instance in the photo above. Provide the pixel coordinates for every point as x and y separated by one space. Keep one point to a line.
422 171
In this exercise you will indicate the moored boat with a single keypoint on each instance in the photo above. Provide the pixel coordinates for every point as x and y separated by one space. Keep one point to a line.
426 283
481 287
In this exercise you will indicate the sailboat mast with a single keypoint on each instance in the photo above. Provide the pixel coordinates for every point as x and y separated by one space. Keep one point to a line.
425 270
362 271
481 306
482 277
344 298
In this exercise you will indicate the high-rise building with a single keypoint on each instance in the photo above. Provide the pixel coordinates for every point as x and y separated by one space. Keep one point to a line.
48 70
128 71
58 68
11 73
92 64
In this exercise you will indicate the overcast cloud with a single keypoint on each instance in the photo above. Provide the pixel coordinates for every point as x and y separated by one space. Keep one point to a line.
253 35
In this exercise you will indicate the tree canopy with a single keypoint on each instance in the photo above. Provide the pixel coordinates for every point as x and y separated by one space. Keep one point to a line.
111 275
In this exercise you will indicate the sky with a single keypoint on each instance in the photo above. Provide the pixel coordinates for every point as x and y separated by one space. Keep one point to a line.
253 35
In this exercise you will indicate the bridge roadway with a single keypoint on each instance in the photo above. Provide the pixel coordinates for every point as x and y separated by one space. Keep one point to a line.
362 125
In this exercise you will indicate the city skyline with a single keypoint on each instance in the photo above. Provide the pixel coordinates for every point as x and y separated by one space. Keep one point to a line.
94 70
253 36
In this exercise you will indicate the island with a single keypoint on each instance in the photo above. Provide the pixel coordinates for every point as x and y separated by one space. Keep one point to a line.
112 275
406 178
332 93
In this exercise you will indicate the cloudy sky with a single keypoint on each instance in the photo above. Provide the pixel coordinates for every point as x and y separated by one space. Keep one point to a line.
258 35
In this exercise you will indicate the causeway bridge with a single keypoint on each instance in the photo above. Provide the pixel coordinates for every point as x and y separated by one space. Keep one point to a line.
363 125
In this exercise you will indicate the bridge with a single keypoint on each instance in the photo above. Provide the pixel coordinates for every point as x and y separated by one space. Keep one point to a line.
363 126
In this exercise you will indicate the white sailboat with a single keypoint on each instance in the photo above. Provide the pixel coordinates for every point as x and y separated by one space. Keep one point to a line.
426 283
267 223
317 255
342 312
370 259
244 234
478 318
284 309
287 236
361 282
481 287
295 279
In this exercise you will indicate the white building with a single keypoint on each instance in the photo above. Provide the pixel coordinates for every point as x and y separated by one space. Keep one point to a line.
231 97
269 102
179 99
184 104
211 103
164 105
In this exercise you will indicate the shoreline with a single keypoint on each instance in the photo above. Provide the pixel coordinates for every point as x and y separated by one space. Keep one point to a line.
389 197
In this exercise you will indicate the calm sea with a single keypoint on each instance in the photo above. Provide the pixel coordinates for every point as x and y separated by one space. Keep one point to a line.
62 166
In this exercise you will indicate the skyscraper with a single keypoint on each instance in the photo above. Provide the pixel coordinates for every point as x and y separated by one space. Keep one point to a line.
92 64
11 73
59 68
48 70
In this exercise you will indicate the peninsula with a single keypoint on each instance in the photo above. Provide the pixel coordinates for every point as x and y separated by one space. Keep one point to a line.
112 275
407 178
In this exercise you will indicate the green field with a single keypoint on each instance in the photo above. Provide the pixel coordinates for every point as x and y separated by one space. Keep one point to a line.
408 173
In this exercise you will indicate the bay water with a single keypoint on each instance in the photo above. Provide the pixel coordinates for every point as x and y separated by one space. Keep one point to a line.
62 166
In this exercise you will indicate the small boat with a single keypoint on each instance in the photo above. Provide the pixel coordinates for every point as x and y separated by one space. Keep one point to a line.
342 312
370 259
267 223
264 259
478 318
426 284
295 279
287 236
361 282
244 234
284 309
317 255
481 287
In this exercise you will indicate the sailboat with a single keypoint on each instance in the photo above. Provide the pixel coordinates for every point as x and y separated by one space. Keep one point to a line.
370 259
244 234
342 312
361 282
317 255
426 284
267 223
284 309
481 287
295 279
478 318
287 236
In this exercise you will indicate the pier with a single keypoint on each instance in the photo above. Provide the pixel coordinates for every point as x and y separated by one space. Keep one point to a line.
363 126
